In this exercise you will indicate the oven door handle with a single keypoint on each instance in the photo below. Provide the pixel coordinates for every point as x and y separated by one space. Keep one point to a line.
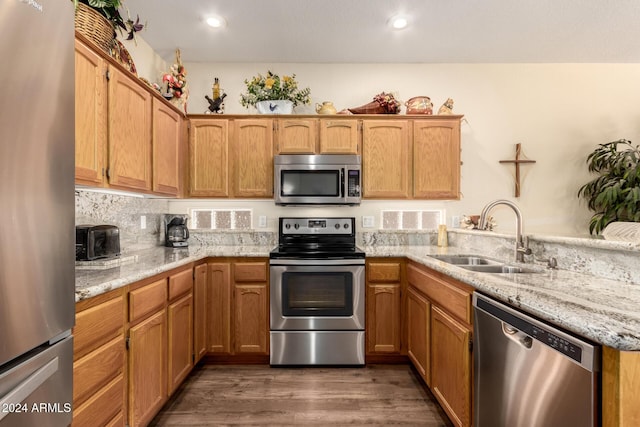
313 262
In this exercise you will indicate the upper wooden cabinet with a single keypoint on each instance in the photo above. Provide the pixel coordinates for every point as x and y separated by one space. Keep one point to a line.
167 134
129 133
90 116
296 136
209 158
411 158
386 159
339 136
436 159
127 137
252 163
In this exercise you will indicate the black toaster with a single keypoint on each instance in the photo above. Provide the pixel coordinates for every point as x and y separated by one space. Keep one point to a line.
97 241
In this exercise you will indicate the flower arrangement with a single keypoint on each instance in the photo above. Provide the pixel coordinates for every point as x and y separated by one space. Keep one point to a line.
271 87
109 9
388 102
383 103
175 81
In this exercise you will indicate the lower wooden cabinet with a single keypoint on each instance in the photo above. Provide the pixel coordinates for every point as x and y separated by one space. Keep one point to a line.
384 307
440 334
200 276
180 345
99 383
238 309
147 368
451 365
419 333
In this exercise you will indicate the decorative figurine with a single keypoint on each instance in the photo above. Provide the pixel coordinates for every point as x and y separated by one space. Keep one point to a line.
216 104
447 107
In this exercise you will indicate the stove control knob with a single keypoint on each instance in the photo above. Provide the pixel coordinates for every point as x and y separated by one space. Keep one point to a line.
337 226
296 226
287 226
346 225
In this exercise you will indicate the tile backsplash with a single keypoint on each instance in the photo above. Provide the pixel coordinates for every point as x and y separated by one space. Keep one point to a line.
125 212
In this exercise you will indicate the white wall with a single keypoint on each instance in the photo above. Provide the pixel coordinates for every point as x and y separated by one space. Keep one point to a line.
559 112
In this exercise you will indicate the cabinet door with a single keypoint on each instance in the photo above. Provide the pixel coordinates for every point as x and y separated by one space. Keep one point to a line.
200 312
209 158
253 158
386 159
418 325
167 138
436 159
451 366
91 116
180 336
219 308
251 318
339 137
383 318
296 136
129 133
147 368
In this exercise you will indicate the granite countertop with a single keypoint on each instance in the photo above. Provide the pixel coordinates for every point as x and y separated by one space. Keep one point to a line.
602 310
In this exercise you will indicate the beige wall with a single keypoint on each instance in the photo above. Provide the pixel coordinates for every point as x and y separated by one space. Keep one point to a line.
559 112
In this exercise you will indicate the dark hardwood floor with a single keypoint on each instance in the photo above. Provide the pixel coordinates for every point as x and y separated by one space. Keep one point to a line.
219 395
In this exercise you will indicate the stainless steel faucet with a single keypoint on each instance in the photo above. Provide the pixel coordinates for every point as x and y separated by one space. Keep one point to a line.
522 243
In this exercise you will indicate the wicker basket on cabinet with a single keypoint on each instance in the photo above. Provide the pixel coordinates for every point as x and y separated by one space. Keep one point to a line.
94 26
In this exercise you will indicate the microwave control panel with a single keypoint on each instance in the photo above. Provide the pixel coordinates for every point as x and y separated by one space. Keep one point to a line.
353 183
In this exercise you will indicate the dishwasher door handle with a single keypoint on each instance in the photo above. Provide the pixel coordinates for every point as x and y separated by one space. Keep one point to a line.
517 336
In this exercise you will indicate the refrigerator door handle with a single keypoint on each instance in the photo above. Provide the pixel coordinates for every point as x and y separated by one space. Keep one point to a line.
28 386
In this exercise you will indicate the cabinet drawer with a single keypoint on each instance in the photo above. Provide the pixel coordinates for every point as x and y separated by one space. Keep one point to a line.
102 407
97 325
250 272
384 272
97 369
146 300
180 283
450 297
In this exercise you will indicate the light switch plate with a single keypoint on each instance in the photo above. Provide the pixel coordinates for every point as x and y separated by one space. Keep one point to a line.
455 221
262 221
367 222
143 222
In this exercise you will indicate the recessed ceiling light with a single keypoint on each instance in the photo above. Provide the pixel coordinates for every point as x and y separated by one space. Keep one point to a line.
398 22
216 21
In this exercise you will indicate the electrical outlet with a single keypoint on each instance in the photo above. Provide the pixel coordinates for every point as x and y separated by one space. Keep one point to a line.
367 222
143 222
455 221
262 221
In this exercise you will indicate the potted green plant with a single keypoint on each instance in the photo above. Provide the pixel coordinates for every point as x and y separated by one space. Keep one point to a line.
271 94
615 194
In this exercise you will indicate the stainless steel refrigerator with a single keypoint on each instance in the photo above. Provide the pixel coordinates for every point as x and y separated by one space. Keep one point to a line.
37 212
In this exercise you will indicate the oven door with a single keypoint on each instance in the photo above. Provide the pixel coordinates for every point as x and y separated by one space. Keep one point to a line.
317 296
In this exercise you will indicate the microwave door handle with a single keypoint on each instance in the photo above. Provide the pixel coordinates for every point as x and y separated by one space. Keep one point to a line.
342 183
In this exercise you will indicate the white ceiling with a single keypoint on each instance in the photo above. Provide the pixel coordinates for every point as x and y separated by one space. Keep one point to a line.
355 31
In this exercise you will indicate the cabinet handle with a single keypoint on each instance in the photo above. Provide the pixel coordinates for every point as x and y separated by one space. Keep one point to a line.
383 291
249 291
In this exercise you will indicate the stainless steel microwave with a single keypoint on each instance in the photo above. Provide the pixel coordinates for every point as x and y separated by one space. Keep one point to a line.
317 179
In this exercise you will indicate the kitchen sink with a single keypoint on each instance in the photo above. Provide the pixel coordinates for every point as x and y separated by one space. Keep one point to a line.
463 259
481 265
497 268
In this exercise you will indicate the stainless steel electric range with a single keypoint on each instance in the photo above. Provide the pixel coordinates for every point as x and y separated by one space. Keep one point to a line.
317 288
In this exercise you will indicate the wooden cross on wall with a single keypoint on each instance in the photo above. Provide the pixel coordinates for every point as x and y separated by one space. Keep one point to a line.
517 161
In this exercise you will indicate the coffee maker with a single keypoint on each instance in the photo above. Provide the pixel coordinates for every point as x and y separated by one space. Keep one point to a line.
176 232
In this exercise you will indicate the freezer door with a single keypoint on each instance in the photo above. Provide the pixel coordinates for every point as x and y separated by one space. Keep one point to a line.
38 391
36 174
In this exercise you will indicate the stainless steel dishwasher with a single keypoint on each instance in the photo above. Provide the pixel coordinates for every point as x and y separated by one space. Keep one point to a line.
529 373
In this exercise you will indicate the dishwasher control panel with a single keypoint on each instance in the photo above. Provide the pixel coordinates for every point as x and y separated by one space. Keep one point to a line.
566 347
